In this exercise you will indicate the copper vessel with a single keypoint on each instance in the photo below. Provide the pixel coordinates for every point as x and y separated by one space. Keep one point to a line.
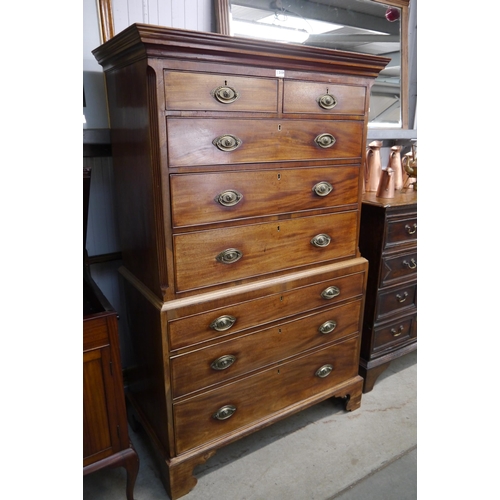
395 164
386 184
373 166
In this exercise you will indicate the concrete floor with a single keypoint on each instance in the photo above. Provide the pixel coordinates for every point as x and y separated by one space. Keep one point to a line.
322 453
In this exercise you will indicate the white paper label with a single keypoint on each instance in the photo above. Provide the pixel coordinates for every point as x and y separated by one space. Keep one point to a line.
280 73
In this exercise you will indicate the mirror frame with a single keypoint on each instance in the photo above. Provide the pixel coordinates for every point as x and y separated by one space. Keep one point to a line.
222 21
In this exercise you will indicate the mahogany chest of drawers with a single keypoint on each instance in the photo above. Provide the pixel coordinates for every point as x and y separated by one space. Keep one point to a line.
388 239
237 166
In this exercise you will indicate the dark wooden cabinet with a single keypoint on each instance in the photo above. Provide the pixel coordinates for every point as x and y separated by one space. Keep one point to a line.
105 433
388 239
105 429
237 164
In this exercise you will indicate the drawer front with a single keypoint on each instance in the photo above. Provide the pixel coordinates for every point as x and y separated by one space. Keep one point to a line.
396 299
209 92
324 98
395 333
206 258
232 358
398 268
193 141
401 231
95 333
259 396
223 321
216 197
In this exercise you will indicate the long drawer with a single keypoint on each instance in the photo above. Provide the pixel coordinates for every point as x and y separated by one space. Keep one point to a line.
216 413
205 258
214 197
217 141
273 303
234 357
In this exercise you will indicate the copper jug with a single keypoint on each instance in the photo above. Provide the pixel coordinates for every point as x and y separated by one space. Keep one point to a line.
395 164
373 166
386 184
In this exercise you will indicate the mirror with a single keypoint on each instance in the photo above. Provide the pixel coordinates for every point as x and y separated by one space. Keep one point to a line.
373 27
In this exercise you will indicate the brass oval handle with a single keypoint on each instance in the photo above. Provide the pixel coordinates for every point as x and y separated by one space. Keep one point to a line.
225 94
324 371
229 198
229 256
398 332
327 101
321 240
224 412
411 229
325 140
223 362
227 142
330 292
402 298
327 327
412 264
223 323
322 188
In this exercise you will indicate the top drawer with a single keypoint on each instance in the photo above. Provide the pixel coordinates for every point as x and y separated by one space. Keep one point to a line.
401 231
323 98
207 92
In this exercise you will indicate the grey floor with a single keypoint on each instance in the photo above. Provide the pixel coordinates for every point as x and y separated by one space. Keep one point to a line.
322 453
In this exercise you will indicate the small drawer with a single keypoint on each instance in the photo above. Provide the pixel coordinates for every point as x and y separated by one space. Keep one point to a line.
214 92
219 412
395 333
401 231
206 258
397 268
323 98
203 141
235 357
215 197
273 303
396 299
96 332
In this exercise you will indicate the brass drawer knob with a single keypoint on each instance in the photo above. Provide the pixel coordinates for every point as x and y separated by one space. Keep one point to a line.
411 265
321 241
223 323
327 327
325 140
224 412
225 94
229 198
411 229
223 362
330 292
327 101
227 142
398 332
324 371
229 256
323 188
402 298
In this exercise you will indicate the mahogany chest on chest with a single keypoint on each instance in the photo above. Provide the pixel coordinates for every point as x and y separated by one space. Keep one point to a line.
237 165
